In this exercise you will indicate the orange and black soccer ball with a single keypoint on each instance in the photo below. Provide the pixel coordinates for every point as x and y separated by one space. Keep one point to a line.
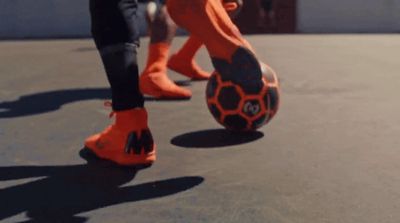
242 108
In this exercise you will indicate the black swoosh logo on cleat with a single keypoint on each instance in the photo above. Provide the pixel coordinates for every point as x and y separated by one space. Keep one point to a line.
136 144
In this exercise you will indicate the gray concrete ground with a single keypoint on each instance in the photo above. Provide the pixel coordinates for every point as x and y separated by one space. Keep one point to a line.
330 155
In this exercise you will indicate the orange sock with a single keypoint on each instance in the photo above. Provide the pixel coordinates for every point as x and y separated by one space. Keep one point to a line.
154 80
157 58
183 61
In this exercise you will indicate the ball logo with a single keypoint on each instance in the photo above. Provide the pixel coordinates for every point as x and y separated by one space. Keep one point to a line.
251 108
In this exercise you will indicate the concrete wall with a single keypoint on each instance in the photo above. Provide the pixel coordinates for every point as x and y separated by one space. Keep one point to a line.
348 16
70 18
47 19
44 18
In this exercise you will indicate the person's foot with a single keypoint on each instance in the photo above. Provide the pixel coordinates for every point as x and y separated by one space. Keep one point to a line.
232 56
154 80
158 85
128 142
187 67
183 61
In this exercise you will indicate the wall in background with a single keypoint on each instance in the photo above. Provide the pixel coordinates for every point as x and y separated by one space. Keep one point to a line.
48 19
70 18
348 16
268 16
44 18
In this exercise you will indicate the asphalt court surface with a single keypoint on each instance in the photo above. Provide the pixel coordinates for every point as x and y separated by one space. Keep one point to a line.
330 155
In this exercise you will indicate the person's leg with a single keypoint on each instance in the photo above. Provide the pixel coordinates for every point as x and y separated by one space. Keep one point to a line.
117 43
231 54
154 80
128 141
184 63
183 60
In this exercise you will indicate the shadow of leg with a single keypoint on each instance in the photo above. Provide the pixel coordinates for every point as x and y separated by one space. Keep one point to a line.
66 191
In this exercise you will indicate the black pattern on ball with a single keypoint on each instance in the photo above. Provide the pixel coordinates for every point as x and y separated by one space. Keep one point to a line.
259 122
215 111
273 96
229 98
235 122
212 86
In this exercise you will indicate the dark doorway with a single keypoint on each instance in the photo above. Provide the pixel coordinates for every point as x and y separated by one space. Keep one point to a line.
267 16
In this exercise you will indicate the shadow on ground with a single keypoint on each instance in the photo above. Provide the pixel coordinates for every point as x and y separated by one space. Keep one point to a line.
49 101
215 138
44 102
66 191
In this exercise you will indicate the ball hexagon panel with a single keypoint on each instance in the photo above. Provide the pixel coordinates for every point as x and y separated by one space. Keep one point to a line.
229 98
236 122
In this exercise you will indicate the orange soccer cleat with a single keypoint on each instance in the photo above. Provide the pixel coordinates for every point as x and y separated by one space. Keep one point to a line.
154 80
231 55
128 142
183 61
208 21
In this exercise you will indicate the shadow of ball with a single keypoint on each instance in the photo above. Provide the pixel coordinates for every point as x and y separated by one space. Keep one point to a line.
215 138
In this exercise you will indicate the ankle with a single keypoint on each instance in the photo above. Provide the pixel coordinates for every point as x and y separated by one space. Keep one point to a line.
131 119
157 58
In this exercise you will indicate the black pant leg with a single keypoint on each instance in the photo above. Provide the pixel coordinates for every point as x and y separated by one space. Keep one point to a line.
116 35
